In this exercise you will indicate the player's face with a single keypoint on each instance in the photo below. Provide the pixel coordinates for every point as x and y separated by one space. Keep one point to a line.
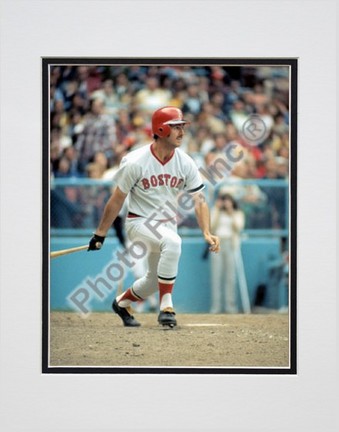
176 135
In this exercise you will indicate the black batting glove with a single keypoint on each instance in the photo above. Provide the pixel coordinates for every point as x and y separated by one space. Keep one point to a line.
96 243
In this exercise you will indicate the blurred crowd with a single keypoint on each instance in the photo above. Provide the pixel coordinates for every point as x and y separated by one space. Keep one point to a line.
99 113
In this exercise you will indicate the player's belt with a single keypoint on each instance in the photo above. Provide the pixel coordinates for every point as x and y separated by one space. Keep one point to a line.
132 215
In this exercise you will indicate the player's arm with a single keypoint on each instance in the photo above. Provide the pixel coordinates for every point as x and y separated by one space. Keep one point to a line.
111 211
203 218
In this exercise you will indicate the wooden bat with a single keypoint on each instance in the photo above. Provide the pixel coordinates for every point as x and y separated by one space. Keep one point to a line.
58 253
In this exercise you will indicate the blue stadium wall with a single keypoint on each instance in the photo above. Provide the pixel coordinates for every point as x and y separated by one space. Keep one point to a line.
77 273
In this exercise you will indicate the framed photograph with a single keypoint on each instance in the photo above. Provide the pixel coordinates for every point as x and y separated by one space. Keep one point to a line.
196 310
67 361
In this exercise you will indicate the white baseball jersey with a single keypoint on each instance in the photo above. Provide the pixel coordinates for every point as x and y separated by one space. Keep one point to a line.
154 186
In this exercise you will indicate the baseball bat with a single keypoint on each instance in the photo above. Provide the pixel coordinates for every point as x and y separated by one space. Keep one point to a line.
59 253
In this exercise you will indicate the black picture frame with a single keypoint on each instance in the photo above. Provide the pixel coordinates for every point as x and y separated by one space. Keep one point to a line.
292 63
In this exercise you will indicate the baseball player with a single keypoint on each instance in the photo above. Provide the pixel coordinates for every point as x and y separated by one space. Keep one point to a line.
154 177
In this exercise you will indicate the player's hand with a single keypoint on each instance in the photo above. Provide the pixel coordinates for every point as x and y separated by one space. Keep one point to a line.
213 241
96 243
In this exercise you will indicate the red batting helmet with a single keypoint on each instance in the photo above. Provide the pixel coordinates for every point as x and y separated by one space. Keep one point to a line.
163 118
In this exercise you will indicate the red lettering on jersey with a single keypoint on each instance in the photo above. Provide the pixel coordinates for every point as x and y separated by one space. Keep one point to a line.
167 177
174 180
161 180
145 183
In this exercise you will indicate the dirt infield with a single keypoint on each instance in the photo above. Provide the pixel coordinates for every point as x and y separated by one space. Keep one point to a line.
252 340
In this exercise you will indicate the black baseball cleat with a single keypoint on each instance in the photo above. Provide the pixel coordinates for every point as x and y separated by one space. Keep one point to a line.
127 318
166 317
